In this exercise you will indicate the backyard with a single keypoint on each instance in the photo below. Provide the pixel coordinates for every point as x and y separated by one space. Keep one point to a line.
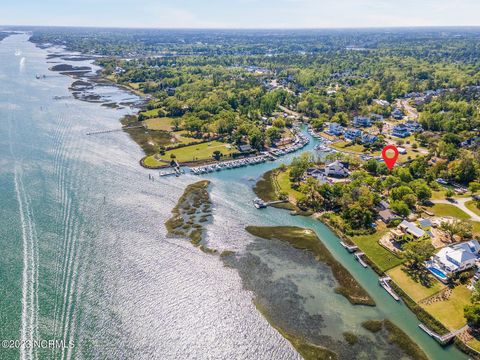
415 289
450 312
383 258
196 152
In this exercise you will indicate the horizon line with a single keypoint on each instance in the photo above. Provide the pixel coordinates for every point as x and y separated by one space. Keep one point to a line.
249 28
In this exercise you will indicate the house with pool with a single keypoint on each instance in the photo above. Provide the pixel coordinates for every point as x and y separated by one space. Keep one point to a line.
454 259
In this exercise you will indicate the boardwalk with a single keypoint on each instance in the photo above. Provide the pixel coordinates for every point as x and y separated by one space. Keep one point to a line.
442 339
113 130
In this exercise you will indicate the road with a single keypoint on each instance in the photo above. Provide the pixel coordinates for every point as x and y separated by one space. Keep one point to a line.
411 111
460 203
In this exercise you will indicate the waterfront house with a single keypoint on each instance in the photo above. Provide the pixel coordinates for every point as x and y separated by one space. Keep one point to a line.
318 174
381 102
401 131
397 114
362 121
413 126
352 134
387 216
409 228
368 138
376 117
335 129
245 148
337 169
455 258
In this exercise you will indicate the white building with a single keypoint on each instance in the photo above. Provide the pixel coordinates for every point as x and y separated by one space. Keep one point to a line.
337 168
456 258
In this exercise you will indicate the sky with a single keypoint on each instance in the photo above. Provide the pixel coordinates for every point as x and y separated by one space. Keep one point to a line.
241 13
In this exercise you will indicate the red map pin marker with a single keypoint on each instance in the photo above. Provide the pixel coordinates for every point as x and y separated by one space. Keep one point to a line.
390 161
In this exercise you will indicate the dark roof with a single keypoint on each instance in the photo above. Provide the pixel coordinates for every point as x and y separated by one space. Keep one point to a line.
244 148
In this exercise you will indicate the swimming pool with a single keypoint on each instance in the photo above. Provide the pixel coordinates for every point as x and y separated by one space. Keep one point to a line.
438 273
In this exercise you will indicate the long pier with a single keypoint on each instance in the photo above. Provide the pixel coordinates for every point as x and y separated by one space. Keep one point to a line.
384 283
113 130
442 339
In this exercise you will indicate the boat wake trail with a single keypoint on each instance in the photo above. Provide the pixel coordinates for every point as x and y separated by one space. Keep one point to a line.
29 321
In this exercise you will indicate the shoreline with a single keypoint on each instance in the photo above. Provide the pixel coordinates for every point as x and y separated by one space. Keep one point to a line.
306 239
421 315
339 234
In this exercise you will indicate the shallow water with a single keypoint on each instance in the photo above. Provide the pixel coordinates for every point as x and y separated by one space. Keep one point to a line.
85 256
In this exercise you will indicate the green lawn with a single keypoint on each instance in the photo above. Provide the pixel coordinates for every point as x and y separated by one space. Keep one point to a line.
382 257
156 123
195 152
414 289
450 312
283 182
449 210
150 113
180 137
343 145
472 206
476 228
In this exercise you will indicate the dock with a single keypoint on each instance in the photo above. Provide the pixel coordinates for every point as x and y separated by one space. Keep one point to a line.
442 339
349 248
174 171
260 204
358 257
384 283
113 130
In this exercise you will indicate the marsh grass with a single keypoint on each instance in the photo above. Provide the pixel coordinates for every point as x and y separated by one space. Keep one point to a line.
189 214
306 239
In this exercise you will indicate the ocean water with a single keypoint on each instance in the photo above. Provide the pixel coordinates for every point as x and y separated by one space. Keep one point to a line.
84 255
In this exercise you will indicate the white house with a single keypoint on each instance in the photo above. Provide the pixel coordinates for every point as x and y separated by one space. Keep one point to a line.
456 258
337 168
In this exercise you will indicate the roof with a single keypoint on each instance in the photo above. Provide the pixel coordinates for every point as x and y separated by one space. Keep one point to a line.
245 147
461 256
412 229
387 215
424 223
385 204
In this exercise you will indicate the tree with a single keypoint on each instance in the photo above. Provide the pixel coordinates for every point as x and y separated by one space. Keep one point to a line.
423 192
176 123
449 193
417 252
273 133
400 208
313 198
474 187
299 165
217 154
400 192
279 123
463 229
371 166
472 315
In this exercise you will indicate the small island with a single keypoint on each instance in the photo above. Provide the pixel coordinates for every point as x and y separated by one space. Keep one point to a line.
191 212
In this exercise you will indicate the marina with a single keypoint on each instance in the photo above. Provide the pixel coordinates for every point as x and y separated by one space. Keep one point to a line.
301 140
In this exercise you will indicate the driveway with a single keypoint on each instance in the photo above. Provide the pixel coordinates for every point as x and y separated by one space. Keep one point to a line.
460 203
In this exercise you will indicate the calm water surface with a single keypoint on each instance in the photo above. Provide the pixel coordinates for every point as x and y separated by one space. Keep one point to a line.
84 256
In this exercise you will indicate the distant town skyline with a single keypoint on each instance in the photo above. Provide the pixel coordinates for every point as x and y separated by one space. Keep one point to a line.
241 13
